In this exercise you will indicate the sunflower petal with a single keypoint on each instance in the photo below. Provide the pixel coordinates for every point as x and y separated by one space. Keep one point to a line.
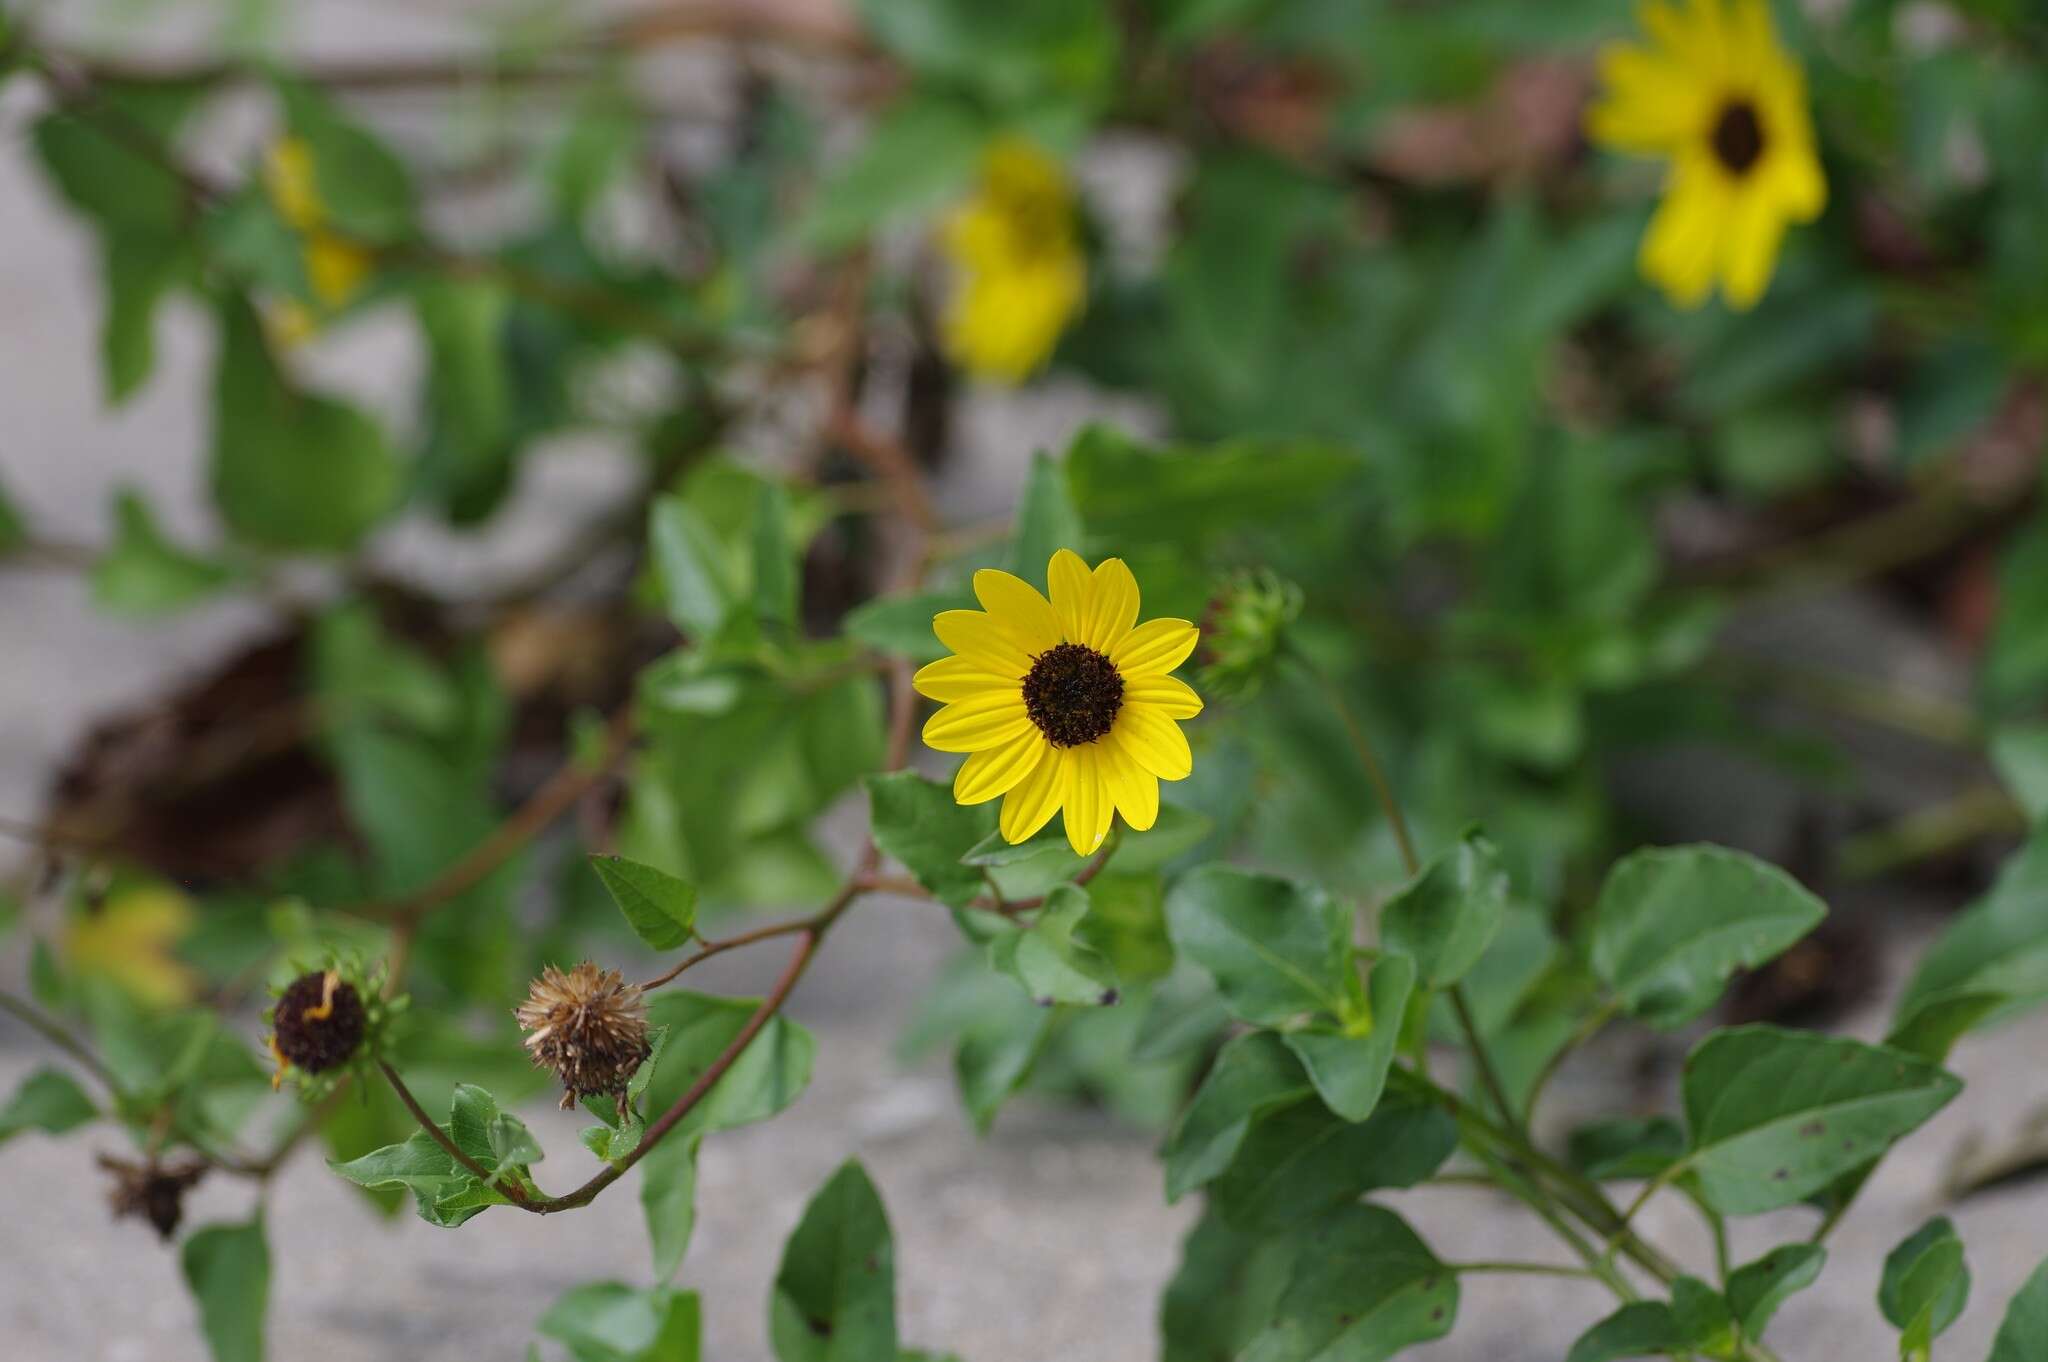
1135 790
1154 648
1088 804
997 770
971 633
1015 604
1033 801
1154 741
1073 591
972 725
959 678
1170 695
1115 606
1750 249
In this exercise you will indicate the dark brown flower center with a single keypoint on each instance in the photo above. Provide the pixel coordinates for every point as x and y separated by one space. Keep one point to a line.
1073 693
319 1021
1738 136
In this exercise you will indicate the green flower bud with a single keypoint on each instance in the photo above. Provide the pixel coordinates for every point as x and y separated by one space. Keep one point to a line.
1244 632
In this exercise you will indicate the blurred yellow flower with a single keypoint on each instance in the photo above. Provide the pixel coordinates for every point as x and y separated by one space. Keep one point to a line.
128 940
1020 273
1062 704
335 268
1715 94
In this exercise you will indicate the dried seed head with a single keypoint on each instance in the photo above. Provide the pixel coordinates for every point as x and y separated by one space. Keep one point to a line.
318 1022
589 1026
153 1191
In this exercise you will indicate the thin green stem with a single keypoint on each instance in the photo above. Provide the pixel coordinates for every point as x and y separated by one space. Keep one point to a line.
52 1030
1362 746
1533 1195
1482 1059
1587 1029
1526 1269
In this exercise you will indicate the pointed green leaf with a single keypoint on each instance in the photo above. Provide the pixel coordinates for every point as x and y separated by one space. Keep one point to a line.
613 1322
144 573
1277 949
1299 1161
1227 1287
1672 923
1756 1290
668 1195
769 1074
659 907
1925 1286
1348 1063
1047 957
775 558
1449 914
228 1269
690 564
1046 521
835 1294
2023 1336
48 1100
1775 1115
917 821
1253 1074
1626 1147
1364 1288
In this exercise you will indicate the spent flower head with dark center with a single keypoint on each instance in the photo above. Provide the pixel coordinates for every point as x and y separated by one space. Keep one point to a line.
152 1191
318 1022
588 1027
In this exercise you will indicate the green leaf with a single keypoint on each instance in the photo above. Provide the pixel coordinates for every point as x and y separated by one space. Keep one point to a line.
1925 1286
1364 1287
139 269
13 533
1254 1073
923 149
1130 492
144 573
903 624
769 1074
1448 916
668 1195
228 1269
613 1322
1349 1063
1046 521
1026 55
1672 924
1775 1115
292 470
1756 1290
1638 1329
2023 1336
48 1100
1277 948
363 187
1695 1318
775 559
2020 753
1301 1160
917 821
2014 671
690 564
112 179
444 1191
1227 1288
994 1059
1626 1147
835 1293
1996 946
467 463
660 908
1048 957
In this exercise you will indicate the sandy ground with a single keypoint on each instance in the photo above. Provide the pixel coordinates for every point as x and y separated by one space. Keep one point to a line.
1047 1240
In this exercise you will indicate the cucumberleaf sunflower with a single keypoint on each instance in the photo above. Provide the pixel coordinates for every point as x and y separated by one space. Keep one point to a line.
1062 704
1715 94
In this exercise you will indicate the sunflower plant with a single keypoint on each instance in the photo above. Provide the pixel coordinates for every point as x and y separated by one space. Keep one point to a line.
1469 433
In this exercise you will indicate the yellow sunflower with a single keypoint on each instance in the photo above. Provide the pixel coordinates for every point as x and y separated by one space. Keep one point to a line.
1064 703
1020 274
1715 94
